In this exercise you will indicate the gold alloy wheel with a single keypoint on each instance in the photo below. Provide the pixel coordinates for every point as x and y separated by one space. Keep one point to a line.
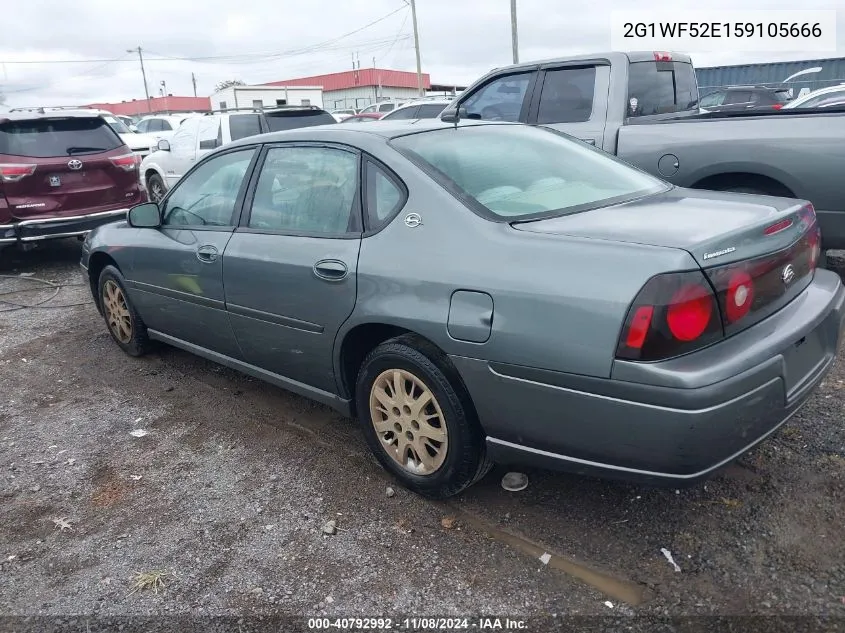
408 421
117 312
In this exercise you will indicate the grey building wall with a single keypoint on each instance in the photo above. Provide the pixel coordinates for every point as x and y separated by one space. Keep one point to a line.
773 74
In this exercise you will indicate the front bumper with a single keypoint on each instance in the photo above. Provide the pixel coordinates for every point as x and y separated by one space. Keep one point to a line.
54 228
698 413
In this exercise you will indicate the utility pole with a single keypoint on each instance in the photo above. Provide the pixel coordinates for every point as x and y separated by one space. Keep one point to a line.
417 47
194 81
514 36
143 74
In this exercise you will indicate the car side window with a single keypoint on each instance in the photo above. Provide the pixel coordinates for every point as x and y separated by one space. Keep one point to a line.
567 95
384 196
207 196
371 108
499 100
307 190
712 100
165 125
184 140
403 113
143 126
386 107
738 96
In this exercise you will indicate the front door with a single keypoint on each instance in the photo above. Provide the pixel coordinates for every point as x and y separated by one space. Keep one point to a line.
289 269
177 277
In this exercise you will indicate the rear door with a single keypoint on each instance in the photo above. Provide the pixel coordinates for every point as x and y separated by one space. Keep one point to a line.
573 98
290 268
64 166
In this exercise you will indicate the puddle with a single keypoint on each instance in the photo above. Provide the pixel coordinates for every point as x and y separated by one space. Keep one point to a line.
616 588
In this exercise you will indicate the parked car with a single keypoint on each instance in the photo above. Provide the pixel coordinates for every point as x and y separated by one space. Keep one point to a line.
161 125
199 135
128 121
62 174
141 144
423 109
478 292
381 107
343 113
364 117
733 98
822 98
618 102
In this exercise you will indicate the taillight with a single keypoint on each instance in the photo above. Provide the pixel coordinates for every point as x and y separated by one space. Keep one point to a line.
662 56
13 172
777 106
127 162
674 314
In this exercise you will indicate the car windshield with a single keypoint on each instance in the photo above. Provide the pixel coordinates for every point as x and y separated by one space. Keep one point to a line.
117 125
48 137
524 172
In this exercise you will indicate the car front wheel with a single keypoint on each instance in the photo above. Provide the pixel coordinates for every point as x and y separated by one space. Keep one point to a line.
124 323
418 419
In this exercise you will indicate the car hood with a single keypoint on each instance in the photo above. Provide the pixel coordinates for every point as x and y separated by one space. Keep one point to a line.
714 227
136 141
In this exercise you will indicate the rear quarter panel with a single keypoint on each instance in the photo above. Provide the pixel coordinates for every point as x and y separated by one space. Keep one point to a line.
559 302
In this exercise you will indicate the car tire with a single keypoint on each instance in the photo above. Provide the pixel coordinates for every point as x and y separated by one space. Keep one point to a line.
122 320
155 187
448 466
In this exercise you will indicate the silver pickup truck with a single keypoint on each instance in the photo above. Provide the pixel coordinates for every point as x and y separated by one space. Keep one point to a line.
643 107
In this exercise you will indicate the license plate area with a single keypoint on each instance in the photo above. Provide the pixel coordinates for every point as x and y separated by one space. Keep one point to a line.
802 359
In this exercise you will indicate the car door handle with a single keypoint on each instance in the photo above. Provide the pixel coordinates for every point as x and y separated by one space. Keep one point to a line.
331 269
207 253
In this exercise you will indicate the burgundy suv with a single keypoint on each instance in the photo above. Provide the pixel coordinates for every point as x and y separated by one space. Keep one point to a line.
62 174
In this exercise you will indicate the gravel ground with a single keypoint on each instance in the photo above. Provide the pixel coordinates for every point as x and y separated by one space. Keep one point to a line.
228 492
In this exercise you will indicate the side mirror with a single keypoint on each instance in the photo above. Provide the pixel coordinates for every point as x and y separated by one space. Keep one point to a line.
164 145
145 216
453 115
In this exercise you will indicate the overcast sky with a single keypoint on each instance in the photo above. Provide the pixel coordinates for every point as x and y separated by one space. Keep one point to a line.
265 40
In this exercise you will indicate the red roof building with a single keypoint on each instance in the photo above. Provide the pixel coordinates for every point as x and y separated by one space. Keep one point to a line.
157 105
363 77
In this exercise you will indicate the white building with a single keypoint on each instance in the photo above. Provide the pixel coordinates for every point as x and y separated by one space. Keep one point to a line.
235 97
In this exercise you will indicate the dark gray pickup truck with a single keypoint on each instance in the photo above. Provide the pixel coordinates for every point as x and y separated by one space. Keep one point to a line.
643 107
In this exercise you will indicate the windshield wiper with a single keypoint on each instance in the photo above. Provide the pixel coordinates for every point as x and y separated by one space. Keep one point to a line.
73 150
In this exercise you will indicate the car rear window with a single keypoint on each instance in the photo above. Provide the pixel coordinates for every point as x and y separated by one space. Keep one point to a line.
661 88
280 121
430 110
523 172
48 137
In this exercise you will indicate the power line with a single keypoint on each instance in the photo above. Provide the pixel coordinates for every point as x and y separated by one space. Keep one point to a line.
215 57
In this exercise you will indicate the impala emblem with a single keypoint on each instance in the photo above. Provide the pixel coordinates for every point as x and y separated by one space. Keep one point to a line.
75 164
787 274
413 220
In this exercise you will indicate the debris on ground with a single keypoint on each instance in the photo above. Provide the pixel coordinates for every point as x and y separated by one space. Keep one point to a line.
138 433
152 580
389 491
545 558
330 527
671 560
448 522
514 482
608 604
62 524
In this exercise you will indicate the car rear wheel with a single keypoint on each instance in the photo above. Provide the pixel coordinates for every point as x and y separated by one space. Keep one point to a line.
418 420
156 187
125 325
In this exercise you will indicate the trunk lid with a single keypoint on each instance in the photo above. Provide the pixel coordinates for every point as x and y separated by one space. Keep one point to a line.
64 166
716 228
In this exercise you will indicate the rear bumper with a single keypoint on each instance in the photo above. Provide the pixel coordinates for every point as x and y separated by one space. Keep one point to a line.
53 228
699 413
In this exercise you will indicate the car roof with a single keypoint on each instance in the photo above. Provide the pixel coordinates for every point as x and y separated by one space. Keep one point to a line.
30 115
338 132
